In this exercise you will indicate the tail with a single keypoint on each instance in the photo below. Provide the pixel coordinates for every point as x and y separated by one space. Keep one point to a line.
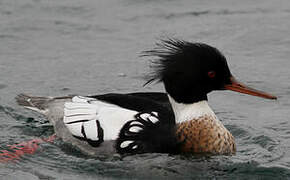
38 104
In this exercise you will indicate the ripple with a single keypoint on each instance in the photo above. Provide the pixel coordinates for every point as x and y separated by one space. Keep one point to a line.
206 12
20 175
253 170
24 115
264 141
239 132
7 36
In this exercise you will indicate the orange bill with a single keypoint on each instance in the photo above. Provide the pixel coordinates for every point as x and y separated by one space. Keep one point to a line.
241 88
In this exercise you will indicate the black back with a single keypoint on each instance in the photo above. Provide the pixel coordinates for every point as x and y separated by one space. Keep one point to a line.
142 102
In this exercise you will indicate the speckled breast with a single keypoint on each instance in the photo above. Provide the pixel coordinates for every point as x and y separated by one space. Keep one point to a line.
205 135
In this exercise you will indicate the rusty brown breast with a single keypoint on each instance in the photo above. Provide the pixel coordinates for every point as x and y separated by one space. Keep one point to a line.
205 135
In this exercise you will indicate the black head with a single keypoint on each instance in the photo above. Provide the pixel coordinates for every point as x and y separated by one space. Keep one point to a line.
189 70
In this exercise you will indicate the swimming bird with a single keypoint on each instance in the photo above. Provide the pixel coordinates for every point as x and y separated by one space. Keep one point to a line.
177 121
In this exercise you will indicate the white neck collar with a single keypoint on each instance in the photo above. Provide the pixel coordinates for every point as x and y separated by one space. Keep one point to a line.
186 112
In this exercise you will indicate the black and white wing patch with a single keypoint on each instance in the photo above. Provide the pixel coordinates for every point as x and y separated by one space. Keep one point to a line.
80 117
148 133
133 137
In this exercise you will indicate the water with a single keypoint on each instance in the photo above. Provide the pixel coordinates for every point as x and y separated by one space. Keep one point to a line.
90 47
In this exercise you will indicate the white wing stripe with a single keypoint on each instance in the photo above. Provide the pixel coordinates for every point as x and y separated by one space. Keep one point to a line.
73 105
145 116
68 112
80 117
81 99
153 119
135 129
125 143
136 123
91 130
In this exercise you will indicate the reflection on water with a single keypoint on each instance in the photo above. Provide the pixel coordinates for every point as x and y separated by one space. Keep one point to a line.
90 47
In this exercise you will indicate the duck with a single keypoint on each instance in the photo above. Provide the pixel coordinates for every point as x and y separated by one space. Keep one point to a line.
178 120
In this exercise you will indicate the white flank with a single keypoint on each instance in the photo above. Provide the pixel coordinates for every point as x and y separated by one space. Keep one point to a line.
111 117
91 130
186 112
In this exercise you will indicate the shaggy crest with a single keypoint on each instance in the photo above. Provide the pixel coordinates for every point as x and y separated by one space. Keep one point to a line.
169 53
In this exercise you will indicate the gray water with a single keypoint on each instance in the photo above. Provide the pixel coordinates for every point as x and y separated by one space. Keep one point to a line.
91 47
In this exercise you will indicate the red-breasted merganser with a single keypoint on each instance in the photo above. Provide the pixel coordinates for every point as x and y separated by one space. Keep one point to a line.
178 121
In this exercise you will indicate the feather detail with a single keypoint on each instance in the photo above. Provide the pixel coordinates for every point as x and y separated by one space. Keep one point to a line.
83 114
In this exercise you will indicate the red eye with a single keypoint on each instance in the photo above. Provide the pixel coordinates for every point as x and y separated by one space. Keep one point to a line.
211 74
